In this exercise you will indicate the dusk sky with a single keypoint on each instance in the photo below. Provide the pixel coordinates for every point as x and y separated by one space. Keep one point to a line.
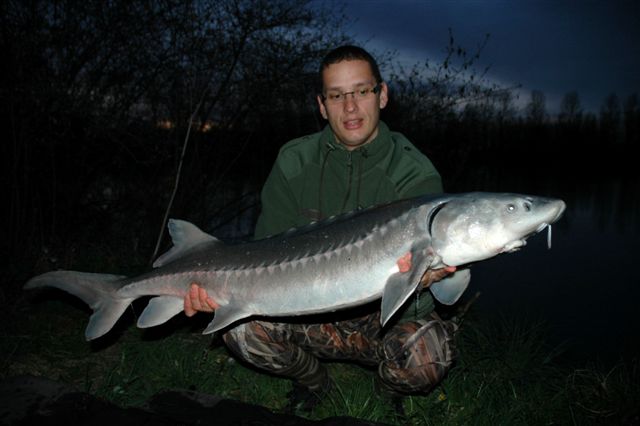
557 46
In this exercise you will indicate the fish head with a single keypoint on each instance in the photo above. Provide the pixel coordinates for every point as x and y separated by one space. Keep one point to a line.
477 226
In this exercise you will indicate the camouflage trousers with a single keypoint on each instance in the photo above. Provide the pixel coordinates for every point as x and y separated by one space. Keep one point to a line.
410 357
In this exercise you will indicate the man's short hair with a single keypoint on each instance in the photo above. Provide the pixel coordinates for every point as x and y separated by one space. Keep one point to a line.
349 53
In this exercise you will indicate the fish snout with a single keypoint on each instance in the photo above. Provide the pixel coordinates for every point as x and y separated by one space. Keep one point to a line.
555 208
561 207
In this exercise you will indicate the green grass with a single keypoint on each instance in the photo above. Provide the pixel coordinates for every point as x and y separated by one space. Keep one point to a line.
505 373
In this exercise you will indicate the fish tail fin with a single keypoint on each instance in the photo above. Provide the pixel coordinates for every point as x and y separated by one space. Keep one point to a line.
96 290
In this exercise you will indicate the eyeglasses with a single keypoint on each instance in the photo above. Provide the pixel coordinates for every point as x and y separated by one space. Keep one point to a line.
360 94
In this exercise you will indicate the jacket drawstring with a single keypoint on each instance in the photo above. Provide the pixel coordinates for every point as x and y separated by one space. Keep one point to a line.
363 157
322 169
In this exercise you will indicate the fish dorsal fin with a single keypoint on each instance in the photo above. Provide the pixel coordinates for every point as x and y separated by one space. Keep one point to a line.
449 289
185 236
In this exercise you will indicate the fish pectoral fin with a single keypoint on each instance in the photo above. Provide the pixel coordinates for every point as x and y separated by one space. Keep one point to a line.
449 289
185 236
225 315
397 290
401 285
160 310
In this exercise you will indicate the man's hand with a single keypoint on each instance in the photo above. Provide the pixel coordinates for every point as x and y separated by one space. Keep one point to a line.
197 300
433 275
430 276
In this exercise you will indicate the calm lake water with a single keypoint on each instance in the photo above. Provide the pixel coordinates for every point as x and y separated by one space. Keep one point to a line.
586 288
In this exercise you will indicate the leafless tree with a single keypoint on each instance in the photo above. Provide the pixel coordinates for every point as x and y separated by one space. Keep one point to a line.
84 86
632 119
610 119
570 109
536 109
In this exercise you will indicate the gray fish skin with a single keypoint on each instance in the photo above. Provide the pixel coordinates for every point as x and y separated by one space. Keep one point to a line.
335 264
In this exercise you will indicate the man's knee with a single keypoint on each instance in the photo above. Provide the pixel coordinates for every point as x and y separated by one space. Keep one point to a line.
417 355
262 344
270 346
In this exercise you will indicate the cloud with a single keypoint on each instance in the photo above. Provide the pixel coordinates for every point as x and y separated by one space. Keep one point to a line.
553 46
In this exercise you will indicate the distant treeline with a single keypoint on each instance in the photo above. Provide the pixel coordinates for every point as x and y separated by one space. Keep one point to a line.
493 130
97 98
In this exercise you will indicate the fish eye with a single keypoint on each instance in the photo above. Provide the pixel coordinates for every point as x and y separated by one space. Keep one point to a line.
511 208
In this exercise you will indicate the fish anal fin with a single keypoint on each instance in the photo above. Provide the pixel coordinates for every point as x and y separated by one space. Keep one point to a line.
104 317
160 310
224 316
449 289
185 236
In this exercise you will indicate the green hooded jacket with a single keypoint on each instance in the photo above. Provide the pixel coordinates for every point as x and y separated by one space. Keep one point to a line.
315 177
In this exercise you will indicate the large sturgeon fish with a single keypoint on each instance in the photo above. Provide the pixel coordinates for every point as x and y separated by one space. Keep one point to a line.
345 261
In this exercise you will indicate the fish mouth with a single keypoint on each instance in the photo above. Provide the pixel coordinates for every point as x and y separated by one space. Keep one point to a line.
541 227
561 207
513 246
521 242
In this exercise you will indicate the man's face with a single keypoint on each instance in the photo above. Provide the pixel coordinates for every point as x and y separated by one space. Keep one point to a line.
353 121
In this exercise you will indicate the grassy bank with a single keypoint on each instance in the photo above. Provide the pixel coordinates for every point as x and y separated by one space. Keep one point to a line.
505 373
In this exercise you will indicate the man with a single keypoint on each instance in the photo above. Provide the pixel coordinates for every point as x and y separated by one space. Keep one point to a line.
355 162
